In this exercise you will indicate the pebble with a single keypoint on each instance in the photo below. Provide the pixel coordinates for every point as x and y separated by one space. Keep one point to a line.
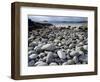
33 56
61 54
69 62
49 57
56 40
83 58
74 53
81 52
85 47
48 47
32 44
53 64
75 59
41 55
71 45
30 52
42 64
38 48
31 63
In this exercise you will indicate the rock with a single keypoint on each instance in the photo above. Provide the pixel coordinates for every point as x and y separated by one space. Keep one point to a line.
51 39
30 48
48 47
31 63
56 40
81 52
68 51
69 62
84 62
83 58
38 48
62 42
81 37
44 40
63 60
49 57
80 44
38 62
59 44
30 52
61 54
75 59
31 38
65 63
74 53
55 55
71 45
41 55
59 37
44 59
33 56
68 42
76 29
33 44
77 41
85 47
58 61
79 48
53 64
68 56
42 64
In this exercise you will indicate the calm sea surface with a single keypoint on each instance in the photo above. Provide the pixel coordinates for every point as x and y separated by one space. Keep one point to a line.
69 24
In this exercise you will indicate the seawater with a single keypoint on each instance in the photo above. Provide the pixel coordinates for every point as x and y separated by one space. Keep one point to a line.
69 24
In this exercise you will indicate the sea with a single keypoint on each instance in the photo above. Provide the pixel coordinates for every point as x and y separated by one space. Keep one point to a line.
69 24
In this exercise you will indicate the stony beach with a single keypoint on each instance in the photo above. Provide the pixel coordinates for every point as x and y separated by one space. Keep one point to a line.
53 46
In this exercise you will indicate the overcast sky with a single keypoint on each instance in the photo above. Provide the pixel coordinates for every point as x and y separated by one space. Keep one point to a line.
56 18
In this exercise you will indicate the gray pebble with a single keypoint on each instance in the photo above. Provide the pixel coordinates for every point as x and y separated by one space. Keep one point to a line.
38 48
81 52
56 40
53 64
61 54
72 45
33 56
74 53
31 63
49 57
42 64
69 62
75 59
85 47
32 44
48 47
41 55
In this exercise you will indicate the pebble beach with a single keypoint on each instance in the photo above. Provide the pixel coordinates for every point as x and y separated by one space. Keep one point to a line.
53 46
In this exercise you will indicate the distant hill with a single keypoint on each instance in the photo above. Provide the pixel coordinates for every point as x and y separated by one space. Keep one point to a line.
34 25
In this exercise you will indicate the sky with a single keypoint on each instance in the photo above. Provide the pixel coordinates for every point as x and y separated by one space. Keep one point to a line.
56 18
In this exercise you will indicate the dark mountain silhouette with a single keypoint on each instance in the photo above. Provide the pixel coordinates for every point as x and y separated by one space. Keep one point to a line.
34 25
